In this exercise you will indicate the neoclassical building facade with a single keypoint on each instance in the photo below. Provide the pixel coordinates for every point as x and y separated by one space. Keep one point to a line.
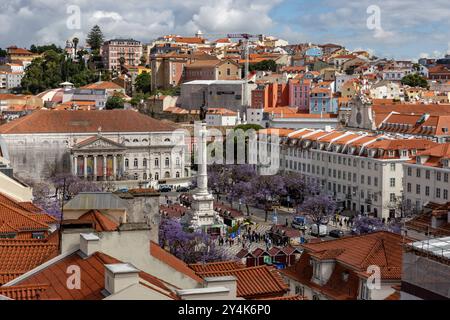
103 145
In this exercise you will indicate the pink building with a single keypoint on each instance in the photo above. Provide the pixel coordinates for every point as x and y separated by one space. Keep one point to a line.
113 50
299 90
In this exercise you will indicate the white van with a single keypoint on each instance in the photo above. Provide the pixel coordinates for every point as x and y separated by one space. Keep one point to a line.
322 230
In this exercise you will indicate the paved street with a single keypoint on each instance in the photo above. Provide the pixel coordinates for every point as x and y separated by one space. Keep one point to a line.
232 250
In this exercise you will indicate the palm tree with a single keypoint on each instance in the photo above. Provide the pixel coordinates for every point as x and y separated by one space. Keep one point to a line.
75 42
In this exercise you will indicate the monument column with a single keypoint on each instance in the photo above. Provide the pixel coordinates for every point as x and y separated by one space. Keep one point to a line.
202 179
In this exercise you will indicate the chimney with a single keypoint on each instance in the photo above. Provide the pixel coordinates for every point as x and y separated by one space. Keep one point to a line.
89 243
120 276
229 282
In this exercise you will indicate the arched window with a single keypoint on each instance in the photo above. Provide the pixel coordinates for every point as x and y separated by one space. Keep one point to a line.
167 174
144 162
144 176
136 162
177 174
167 162
156 176
177 161
157 162
127 163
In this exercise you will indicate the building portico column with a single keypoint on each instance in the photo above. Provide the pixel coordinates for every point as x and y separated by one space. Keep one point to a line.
75 165
95 167
104 167
85 166
114 167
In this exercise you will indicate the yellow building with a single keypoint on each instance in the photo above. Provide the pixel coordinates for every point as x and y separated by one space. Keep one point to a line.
20 55
350 88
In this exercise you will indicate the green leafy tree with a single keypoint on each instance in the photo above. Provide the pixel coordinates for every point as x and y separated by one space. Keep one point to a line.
95 38
3 53
266 65
45 48
138 97
51 69
143 60
114 102
415 80
143 82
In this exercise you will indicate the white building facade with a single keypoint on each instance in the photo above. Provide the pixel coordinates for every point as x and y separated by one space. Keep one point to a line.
124 146
426 178
362 172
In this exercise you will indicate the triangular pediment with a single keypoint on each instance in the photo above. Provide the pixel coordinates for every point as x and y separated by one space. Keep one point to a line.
98 142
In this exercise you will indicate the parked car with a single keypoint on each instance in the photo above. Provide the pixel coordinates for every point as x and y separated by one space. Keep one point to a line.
336 233
165 189
299 223
182 189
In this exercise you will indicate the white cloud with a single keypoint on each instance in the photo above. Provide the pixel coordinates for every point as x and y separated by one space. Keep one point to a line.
99 15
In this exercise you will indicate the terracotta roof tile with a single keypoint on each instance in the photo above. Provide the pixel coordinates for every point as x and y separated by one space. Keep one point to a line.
92 278
287 298
19 220
100 221
381 248
254 282
216 266
103 85
27 292
71 121
18 257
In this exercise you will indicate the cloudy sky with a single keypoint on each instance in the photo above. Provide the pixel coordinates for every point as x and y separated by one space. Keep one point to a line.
407 28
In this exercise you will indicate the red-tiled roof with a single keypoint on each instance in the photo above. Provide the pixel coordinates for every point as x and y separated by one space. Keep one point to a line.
18 257
398 144
166 257
287 298
380 248
108 85
71 121
216 266
92 280
99 221
254 282
19 221
31 292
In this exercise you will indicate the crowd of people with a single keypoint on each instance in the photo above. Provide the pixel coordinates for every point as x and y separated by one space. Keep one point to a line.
247 237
